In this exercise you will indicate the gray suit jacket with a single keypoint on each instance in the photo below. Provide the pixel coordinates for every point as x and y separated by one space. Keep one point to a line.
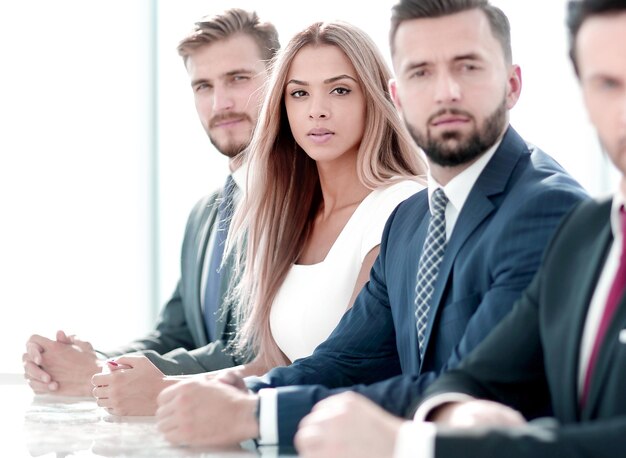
179 344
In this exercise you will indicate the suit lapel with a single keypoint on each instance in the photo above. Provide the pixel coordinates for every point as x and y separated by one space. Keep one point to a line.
197 326
413 360
607 350
477 208
606 356
595 254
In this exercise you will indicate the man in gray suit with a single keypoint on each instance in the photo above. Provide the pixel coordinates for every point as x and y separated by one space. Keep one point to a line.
227 57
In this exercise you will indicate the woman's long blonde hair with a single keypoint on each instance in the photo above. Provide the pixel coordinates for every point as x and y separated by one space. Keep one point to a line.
283 192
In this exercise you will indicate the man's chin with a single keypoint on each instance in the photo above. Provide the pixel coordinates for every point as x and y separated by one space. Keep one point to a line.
229 150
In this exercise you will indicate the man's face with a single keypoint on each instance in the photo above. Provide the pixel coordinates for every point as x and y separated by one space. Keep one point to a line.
227 79
453 86
601 55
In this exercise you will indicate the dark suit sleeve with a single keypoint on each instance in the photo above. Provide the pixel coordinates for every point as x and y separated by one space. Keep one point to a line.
211 357
214 356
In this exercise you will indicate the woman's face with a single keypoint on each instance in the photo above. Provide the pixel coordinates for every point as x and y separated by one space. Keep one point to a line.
325 104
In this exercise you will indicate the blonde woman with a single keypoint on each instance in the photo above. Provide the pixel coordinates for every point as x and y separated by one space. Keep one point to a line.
328 163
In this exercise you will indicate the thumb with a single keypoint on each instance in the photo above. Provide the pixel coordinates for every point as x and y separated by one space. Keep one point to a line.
133 361
64 338
119 363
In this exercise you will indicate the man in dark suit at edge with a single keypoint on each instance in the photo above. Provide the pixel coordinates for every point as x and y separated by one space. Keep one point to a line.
562 348
227 57
453 258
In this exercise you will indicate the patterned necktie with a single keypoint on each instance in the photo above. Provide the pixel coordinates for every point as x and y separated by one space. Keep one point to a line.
615 296
432 254
212 292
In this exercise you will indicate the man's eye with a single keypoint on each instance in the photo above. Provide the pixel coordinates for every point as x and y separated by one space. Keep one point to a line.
202 87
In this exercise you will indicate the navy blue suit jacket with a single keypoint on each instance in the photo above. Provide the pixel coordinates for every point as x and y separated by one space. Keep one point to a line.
491 256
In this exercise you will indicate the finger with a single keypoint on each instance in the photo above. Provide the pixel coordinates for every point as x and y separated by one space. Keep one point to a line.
105 403
101 379
307 441
34 351
168 394
38 387
233 379
133 360
63 338
34 372
114 366
176 435
82 344
166 410
166 423
100 392
129 362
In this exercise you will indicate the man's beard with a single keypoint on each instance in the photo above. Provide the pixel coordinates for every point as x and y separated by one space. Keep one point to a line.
228 148
463 151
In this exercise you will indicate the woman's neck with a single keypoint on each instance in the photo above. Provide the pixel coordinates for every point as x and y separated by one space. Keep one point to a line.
340 186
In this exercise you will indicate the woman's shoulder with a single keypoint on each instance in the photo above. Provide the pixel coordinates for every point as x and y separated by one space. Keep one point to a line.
381 201
400 190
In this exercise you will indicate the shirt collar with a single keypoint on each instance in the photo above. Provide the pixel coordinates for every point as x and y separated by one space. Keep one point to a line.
240 176
616 222
458 189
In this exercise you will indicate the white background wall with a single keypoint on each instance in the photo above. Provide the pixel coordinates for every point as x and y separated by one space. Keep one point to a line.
102 156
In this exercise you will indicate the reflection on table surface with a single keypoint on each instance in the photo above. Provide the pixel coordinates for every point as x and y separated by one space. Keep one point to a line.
57 426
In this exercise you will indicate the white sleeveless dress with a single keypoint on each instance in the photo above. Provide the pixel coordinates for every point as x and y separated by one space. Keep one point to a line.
313 298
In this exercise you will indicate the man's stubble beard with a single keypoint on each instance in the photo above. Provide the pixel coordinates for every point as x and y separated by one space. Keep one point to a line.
462 151
230 149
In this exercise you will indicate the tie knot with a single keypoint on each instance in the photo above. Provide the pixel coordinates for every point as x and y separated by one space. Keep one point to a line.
439 201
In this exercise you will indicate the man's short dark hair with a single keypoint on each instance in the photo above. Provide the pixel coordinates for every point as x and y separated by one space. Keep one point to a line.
406 10
578 11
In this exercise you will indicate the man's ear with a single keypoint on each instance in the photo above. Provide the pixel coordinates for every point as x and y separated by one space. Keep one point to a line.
514 86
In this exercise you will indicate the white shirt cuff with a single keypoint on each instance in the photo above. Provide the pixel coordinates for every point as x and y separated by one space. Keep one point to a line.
268 416
430 404
415 440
